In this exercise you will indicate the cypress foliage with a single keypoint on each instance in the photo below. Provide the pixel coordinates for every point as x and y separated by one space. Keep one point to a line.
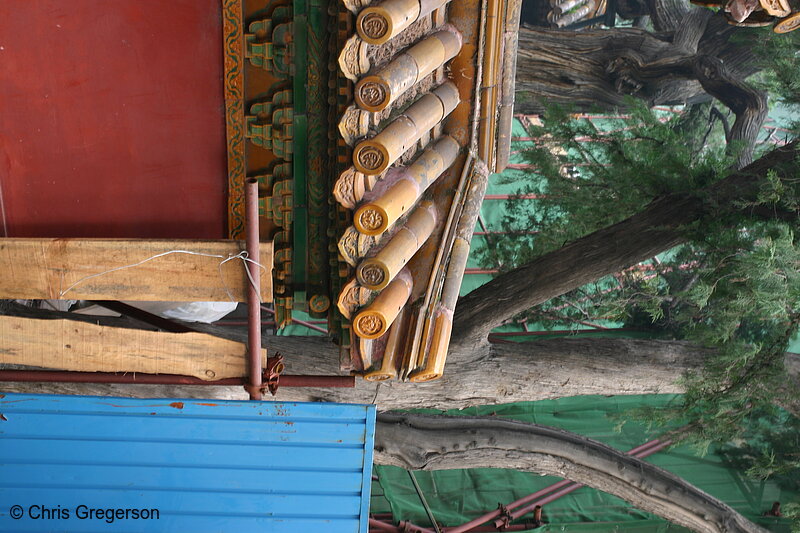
734 287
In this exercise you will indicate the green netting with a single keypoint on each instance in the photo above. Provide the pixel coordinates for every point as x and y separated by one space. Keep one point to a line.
457 496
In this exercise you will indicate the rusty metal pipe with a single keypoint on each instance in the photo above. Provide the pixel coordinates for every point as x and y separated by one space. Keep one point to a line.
413 528
382 526
322 382
253 290
513 527
60 376
639 450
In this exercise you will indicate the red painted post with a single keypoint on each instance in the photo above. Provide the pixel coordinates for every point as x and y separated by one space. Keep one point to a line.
253 290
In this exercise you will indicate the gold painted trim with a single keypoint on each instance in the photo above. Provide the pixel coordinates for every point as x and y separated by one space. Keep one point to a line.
233 56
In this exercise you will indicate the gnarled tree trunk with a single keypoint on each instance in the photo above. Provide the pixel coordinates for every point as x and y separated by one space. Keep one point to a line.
692 61
423 442
569 68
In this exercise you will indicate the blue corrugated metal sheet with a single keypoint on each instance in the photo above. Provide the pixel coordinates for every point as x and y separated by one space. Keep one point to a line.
215 466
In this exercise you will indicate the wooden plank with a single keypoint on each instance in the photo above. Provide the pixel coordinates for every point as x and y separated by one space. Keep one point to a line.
128 269
83 346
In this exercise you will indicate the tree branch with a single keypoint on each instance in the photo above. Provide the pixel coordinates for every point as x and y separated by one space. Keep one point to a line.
426 442
642 236
667 14
749 104
716 113
634 74
690 31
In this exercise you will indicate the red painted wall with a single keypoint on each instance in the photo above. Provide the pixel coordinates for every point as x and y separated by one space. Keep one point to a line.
112 119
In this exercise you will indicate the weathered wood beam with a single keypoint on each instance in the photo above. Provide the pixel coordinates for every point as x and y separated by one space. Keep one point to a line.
103 269
79 346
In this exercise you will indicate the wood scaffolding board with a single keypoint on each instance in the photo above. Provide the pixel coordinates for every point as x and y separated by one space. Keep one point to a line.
128 269
86 347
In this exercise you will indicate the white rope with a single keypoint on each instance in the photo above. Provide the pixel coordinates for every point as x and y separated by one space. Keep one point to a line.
241 255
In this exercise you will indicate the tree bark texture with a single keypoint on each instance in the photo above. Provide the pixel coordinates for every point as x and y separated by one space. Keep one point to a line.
421 442
569 68
659 227
689 62
683 61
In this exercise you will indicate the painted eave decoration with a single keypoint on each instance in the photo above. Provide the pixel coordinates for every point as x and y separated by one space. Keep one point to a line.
429 120
372 127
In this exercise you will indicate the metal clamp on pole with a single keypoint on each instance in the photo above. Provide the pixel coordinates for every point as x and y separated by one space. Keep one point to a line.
272 375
